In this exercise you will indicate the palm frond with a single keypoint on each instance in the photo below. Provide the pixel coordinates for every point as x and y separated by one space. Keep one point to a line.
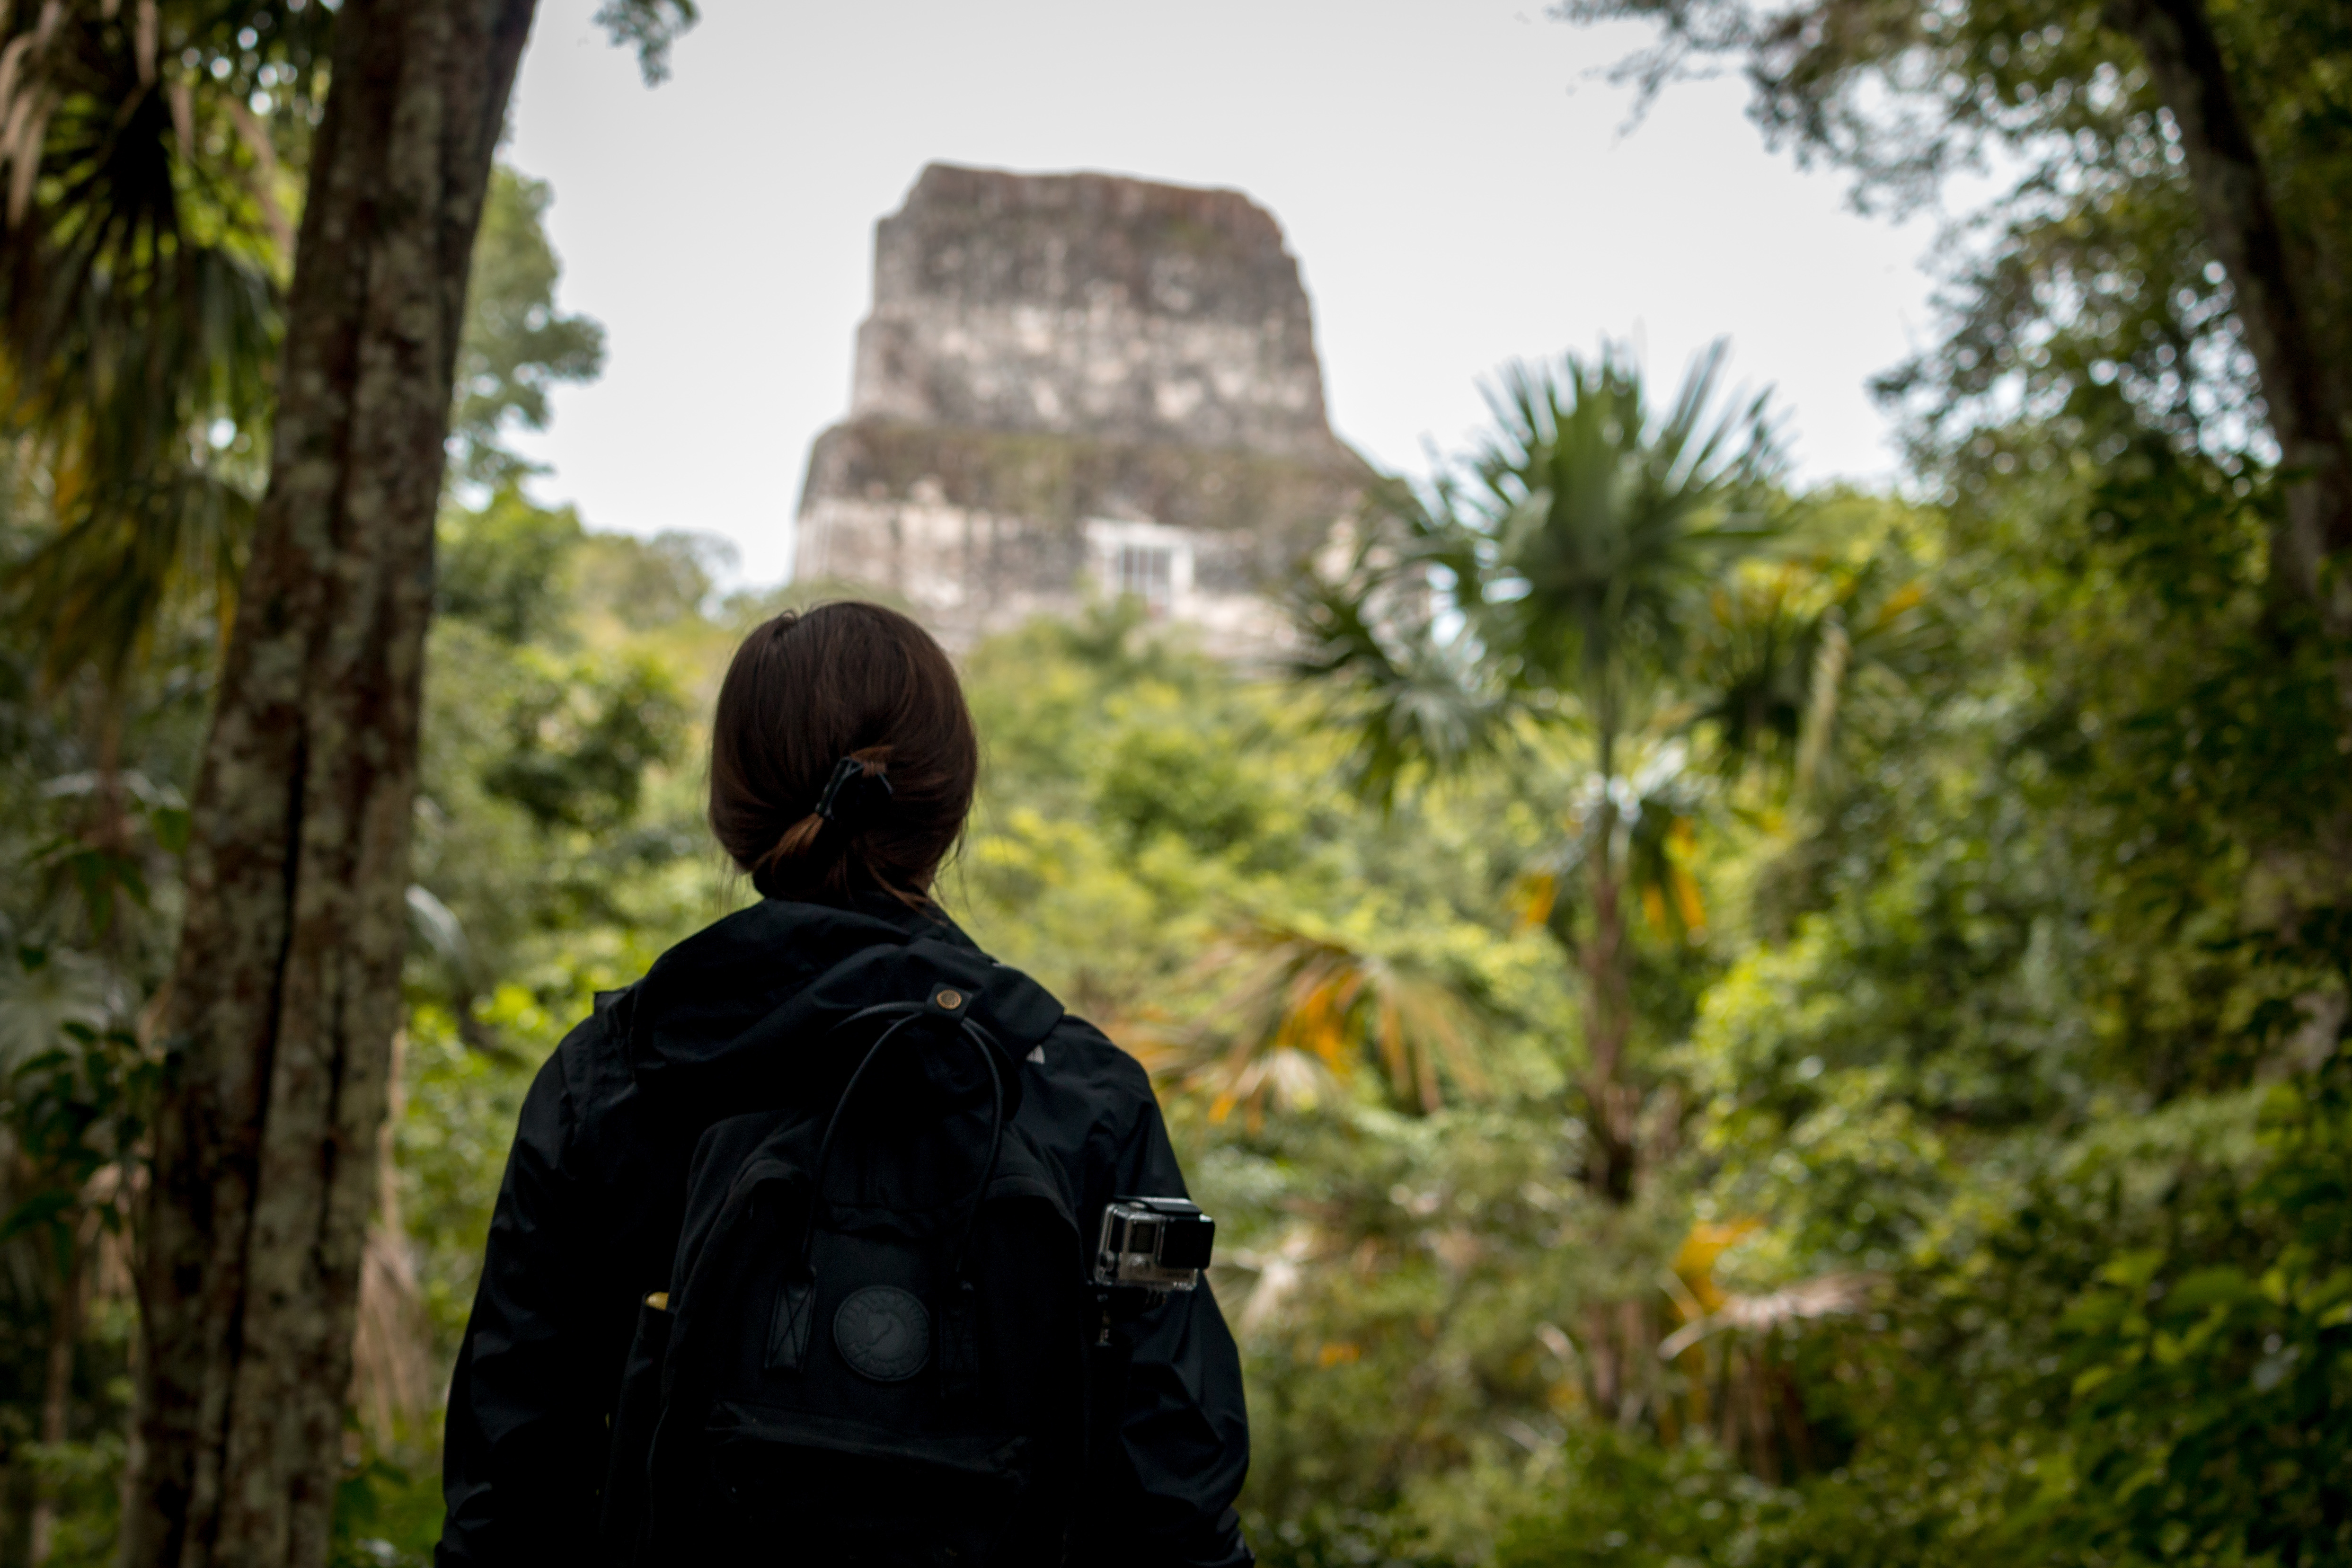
1608 519
1300 1012
146 239
1655 809
1827 1295
1786 648
1418 696
100 584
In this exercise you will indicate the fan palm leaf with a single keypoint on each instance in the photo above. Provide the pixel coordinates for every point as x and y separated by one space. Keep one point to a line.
145 237
1655 813
1785 649
1416 695
1608 519
1300 1012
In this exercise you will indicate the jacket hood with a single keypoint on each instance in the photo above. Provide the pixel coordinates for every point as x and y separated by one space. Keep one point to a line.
743 1013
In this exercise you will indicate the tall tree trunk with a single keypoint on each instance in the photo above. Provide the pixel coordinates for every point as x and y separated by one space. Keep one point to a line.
1608 988
56 1380
1608 1025
286 991
2241 223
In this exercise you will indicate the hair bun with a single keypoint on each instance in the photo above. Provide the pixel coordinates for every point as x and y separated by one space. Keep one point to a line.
843 759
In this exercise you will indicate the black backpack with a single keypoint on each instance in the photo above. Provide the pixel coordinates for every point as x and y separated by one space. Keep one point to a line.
874 1347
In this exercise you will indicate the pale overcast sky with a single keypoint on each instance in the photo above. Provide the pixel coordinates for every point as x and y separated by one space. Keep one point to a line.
1452 175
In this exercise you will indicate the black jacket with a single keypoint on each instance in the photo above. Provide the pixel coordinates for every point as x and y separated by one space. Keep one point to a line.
588 1218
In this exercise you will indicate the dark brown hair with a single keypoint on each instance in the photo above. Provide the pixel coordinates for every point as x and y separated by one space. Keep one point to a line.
808 689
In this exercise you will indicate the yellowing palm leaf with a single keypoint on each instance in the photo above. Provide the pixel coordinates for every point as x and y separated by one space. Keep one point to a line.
1300 1012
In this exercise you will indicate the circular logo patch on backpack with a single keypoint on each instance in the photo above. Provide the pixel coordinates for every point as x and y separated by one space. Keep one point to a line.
883 1332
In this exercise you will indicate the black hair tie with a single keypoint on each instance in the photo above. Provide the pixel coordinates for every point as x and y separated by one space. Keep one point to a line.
853 791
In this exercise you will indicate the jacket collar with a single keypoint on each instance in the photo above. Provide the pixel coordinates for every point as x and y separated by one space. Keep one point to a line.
748 1006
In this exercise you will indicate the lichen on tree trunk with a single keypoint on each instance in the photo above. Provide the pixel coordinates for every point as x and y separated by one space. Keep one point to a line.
287 989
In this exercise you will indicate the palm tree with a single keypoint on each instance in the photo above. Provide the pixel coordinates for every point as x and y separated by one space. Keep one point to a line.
144 241
1796 660
147 234
1554 585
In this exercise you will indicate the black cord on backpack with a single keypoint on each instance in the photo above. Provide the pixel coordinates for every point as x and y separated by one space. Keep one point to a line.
789 1334
981 1041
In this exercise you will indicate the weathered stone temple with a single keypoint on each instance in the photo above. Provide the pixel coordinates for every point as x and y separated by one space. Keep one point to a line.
1074 386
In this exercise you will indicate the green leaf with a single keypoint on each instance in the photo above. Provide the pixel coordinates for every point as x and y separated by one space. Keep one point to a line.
2206 1287
171 826
2133 1270
38 1210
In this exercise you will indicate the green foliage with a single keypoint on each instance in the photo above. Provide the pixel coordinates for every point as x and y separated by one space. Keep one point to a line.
146 238
499 567
386 1517
554 721
1639 1506
651 26
553 806
582 738
1553 587
516 344
1572 557
652 583
2092 268
2210 1397
72 1111
1986 907
149 422
1605 516
1143 808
